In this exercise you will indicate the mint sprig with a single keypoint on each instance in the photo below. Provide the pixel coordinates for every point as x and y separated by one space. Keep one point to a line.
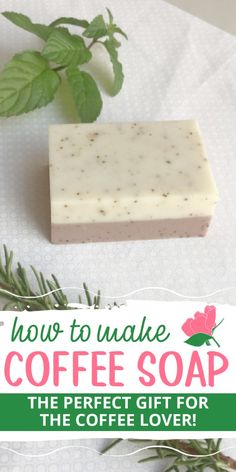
31 78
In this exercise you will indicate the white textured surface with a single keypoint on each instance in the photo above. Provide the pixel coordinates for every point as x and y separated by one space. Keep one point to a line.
216 12
176 67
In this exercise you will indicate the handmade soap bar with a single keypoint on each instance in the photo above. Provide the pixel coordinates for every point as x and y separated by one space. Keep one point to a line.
114 182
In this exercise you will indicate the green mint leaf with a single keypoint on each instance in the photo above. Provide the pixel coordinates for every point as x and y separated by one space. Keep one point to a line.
85 93
96 29
64 20
198 339
110 16
116 29
24 22
113 28
110 46
116 43
26 83
64 48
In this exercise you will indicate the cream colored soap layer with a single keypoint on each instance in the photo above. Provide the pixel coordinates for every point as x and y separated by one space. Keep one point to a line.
129 171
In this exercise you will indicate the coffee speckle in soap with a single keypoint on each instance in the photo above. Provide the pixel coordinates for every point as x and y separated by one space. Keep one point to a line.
136 172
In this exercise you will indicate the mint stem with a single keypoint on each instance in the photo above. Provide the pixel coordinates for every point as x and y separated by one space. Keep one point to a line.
92 43
57 69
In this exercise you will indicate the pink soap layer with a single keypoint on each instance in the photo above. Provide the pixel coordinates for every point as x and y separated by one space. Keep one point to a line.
136 230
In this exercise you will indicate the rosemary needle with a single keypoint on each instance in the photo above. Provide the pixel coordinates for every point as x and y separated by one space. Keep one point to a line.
15 285
178 462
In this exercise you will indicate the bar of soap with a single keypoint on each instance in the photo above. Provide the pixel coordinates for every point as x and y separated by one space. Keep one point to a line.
111 182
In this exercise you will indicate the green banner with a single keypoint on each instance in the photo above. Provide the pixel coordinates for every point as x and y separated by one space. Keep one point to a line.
111 412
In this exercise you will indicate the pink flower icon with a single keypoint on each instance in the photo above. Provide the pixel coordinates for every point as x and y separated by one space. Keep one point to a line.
201 323
201 327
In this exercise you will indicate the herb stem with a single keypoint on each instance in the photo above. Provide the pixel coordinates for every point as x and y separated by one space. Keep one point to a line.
57 69
16 289
92 43
218 461
183 446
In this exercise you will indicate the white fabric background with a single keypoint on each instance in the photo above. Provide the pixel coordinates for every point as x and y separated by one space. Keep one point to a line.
216 12
176 67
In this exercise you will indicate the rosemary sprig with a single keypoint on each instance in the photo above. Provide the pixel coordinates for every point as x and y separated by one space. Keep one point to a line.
15 287
179 462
